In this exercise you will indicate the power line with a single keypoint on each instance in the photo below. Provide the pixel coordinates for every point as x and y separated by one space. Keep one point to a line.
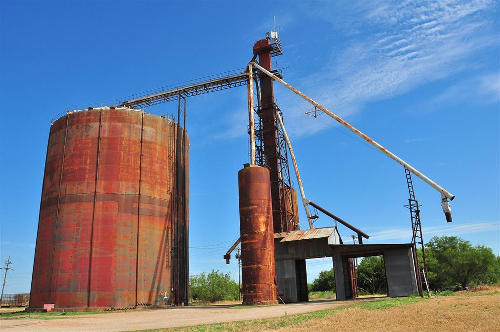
6 268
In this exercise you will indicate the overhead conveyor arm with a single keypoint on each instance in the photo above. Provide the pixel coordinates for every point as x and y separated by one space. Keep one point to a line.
445 195
215 84
360 233
227 256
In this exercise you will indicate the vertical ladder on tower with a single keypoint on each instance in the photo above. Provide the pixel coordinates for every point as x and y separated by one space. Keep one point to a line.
417 239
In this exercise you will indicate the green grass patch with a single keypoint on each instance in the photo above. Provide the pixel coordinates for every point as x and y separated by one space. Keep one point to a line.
443 293
246 306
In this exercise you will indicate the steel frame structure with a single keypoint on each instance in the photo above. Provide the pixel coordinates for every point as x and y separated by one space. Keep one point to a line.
416 229
218 84
213 85
288 220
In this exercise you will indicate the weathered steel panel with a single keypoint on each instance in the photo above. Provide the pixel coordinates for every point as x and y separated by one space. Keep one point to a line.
110 201
291 209
316 233
156 213
256 229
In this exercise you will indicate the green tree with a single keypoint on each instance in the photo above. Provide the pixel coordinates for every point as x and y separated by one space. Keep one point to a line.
212 287
324 282
371 275
453 263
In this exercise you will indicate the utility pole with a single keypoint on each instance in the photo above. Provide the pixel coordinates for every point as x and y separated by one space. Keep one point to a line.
6 268
238 257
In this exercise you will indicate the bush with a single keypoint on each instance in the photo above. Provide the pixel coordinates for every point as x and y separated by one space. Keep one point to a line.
454 264
324 282
212 287
371 275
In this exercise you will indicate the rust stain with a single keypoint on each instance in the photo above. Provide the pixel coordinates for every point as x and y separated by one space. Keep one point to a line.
109 230
316 233
256 229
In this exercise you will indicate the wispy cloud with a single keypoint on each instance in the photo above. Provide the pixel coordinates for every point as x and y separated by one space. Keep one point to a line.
235 125
409 44
482 88
405 233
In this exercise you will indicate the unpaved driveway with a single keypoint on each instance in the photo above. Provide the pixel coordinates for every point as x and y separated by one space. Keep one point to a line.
164 318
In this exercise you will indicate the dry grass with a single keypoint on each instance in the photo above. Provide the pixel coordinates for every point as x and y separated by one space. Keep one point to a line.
456 313
461 312
321 295
11 309
475 310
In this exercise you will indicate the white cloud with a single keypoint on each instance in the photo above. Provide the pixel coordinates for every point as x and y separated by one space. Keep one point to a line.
412 43
482 88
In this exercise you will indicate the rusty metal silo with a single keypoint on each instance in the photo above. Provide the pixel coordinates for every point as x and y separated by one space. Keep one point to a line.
257 237
113 225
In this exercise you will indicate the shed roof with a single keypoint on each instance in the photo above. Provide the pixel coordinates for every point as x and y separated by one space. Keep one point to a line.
307 234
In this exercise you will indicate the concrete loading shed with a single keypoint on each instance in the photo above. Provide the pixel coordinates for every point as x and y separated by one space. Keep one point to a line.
297 246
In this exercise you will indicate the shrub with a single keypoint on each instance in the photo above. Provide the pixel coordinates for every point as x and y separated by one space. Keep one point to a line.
454 264
212 287
324 282
371 275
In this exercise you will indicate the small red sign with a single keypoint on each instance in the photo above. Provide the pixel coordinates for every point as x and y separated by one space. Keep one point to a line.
48 306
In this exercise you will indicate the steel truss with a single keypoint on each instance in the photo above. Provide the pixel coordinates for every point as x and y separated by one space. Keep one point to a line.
289 219
216 84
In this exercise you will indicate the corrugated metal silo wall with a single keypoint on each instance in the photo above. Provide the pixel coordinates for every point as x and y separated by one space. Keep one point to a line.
257 237
113 224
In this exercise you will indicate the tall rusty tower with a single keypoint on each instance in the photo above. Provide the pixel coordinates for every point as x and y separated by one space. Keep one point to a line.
271 149
267 202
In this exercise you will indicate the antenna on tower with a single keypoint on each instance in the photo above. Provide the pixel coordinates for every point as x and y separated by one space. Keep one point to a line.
275 42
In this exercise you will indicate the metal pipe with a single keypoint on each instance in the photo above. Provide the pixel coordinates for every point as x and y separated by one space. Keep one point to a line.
251 123
256 81
227 256
343 222
305 202
391 155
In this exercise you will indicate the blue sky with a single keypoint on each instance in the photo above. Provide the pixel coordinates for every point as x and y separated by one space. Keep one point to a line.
420 77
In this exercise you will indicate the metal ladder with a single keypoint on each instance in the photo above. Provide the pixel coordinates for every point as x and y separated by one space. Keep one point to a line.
417 239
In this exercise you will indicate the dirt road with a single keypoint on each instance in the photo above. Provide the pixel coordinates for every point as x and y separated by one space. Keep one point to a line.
164 318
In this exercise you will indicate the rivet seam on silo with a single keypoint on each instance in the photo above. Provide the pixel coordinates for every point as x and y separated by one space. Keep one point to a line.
89 290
